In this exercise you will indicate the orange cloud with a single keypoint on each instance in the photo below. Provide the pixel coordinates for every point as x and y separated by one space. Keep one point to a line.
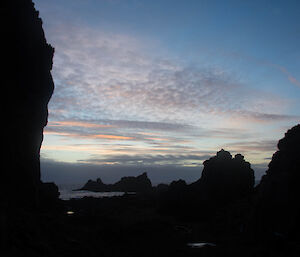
93 136
157 139
148 134
113 137
47 132
77 124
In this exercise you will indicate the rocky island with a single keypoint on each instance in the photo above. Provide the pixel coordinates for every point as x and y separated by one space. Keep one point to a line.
140 183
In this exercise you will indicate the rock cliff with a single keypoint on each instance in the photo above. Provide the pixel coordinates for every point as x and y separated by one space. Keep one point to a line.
26 91
278 209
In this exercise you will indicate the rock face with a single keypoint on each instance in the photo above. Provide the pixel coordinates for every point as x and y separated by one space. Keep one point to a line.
278 208
140 183
224 181
225 178
28 92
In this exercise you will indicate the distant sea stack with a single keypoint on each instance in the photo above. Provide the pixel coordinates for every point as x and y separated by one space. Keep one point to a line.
140 183
278 208
26 93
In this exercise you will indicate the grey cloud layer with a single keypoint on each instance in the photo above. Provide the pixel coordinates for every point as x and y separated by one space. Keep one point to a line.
151 160
59 171
260 146
149 132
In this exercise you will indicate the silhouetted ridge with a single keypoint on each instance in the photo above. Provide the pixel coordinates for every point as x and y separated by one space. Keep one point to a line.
140 183
278 209
28 62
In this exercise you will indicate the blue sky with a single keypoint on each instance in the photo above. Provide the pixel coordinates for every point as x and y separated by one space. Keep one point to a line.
163 85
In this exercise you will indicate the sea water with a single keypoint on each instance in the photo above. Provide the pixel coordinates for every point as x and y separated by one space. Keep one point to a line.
67 192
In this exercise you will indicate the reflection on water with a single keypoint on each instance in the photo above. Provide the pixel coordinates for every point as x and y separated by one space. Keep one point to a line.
67 194
200 245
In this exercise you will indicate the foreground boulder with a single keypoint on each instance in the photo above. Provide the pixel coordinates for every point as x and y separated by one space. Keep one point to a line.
278 208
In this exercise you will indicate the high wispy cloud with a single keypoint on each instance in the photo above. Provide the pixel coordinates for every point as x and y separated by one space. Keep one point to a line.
101 75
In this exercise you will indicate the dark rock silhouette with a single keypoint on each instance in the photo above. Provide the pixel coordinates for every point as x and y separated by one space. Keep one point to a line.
161 188
27 86
28 62
134 184
95 186
140 183
278 209
178 185
48 197
225 178
175 200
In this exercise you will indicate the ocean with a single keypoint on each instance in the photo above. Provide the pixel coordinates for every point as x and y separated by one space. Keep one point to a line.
67 193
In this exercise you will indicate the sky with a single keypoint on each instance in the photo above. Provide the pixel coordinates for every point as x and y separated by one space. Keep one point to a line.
160 86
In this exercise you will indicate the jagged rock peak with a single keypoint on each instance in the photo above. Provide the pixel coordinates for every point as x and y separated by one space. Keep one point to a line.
224 155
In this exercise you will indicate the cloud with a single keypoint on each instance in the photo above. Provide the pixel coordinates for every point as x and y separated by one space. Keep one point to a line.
150 159
78 173
89 136
259 117
290 77
77 124
113 89
111 129
71 125
157 136
242 56
258 146
101 75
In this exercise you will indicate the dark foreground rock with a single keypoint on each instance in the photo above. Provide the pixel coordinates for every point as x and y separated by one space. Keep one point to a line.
130 226
277 210
26 86
27 63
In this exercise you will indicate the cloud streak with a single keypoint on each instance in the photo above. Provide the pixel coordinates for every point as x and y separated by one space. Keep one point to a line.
257 146
290 77
150 159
